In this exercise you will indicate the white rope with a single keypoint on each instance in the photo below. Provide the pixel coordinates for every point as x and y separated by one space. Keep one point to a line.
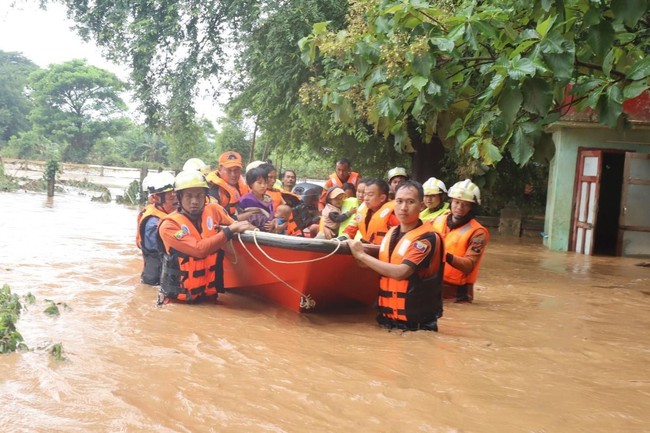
305 300
338 245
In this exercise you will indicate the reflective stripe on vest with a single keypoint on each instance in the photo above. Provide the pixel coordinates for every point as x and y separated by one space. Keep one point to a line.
417 299
143 216
378 226
186 278
456 243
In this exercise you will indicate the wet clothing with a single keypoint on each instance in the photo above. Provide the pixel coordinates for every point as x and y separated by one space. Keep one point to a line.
373 226
416 302
193 260
224 193
430 214
464 248
147 241
259 220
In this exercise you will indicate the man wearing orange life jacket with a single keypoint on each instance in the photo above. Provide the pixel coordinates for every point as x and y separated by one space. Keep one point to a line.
410 264
465 240
162 200
343 174
226 183
375 218
193 241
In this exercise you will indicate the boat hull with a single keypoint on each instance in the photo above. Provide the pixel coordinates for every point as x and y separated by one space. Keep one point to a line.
302 274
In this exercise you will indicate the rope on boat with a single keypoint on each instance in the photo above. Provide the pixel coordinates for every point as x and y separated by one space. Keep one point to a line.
338 245
306 302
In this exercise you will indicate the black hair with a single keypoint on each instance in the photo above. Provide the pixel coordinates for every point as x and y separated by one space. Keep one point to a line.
412 184
344 161
258 172
348 185
286 171
268 167
381 184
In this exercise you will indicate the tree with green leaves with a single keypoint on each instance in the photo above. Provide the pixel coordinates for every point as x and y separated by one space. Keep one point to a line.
482 77
14 103
76 104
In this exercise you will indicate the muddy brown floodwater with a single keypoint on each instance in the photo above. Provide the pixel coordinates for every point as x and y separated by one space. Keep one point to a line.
555 342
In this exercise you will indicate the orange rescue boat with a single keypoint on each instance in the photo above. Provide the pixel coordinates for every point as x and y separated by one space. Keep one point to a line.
299 273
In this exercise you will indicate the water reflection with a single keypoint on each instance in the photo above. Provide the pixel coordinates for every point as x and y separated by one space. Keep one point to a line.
555 342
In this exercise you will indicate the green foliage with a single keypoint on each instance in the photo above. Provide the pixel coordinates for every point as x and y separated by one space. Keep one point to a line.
51 170
133 195
52 309
14 103
10 309
486 76
76 104
57 352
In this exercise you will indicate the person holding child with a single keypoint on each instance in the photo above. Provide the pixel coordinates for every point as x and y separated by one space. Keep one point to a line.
257 204
331 216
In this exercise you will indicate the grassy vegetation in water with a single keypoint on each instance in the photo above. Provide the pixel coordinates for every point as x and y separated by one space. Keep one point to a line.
10 308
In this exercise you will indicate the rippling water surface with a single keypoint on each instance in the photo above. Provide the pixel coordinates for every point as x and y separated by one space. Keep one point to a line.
555 342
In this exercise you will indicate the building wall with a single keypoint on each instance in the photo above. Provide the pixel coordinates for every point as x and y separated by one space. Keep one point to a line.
568 138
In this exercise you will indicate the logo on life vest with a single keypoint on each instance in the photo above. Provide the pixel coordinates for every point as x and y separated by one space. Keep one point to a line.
421 246
209 223
185 230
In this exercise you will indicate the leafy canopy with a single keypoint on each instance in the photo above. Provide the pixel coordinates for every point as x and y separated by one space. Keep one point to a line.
487 76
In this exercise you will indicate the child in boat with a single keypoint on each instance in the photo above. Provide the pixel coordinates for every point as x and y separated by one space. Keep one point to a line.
257 201
282 217
331 217
352 204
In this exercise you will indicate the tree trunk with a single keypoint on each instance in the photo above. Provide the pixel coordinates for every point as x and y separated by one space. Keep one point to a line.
50 187
426 161
251 156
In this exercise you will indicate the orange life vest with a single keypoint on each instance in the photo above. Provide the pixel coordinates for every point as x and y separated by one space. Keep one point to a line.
146 212
456 243
335 181
225 194
417 299
151 256
378 225
186 278
276 197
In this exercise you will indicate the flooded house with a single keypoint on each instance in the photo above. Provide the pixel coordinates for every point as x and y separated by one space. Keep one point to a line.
599 184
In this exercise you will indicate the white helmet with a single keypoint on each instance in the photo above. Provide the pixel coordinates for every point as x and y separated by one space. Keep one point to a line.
252 165
161 182
434 186
146 182
397 171
196 164
465 190
190 179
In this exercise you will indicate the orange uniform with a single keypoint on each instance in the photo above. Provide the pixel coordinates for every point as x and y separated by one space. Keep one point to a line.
467 245
415 302
190 271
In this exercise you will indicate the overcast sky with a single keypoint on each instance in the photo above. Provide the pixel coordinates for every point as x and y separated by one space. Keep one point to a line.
45 37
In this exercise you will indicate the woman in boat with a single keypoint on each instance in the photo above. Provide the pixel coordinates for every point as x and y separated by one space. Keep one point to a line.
435 195
410 264
193 239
